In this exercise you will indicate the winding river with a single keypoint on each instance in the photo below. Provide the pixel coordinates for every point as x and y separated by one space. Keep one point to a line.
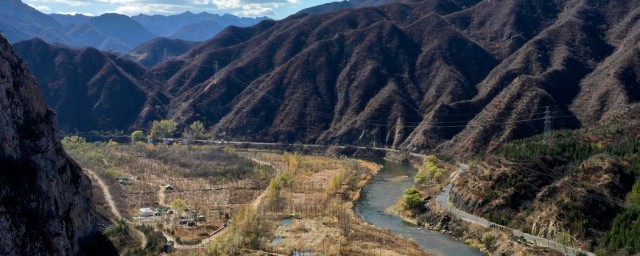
383 191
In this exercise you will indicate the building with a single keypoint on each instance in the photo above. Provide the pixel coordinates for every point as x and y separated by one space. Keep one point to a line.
146 212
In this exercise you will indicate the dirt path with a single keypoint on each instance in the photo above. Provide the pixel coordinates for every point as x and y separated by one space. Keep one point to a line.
203 243
112 205
162 196
105 190
223 230
140 235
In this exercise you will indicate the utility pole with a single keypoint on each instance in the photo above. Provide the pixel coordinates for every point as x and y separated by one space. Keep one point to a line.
547 127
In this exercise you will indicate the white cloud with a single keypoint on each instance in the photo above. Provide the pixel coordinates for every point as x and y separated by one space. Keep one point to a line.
67 2
254 11
42 8
74 13
237 7
134 7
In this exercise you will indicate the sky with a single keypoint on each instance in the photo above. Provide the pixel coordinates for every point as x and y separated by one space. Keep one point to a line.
276 9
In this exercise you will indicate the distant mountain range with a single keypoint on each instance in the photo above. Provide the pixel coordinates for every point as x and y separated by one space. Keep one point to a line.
456 76
158 50
192 27
342 5
110 32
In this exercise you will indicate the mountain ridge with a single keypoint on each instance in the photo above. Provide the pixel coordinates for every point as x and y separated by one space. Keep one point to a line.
415 75
110 32
91 90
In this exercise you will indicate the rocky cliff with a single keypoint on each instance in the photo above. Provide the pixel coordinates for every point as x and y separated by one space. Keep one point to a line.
45 205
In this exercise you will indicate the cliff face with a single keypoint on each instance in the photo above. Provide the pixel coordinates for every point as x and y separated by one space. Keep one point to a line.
45 206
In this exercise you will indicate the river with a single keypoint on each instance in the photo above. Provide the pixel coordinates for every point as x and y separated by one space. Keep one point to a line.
383 191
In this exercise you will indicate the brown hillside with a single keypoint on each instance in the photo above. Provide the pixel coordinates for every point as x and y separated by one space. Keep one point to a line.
92 90
454 76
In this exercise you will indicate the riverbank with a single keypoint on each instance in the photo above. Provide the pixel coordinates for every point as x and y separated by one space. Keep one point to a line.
491 241
383 191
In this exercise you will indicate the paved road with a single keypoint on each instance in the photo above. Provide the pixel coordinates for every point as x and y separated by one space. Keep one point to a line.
442 201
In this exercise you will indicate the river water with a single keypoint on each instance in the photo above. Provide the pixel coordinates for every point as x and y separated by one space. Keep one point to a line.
384 190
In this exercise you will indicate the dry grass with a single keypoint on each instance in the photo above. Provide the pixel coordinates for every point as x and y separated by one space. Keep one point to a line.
209 179
324 221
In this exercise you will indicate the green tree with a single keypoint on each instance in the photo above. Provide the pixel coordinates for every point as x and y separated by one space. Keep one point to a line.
195 131
420 178
634 195
429 171
137 136
163 129
412 200
179 205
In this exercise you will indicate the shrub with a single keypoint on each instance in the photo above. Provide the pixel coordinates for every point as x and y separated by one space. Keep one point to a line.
488 239
162 129
420 178
634 196
412 200
137 136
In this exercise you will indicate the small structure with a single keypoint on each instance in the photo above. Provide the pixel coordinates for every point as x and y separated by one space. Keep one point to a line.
146 212
124 180
187 222
169 187
190 212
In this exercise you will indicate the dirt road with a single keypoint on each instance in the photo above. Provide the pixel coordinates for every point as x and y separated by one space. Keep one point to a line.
105 191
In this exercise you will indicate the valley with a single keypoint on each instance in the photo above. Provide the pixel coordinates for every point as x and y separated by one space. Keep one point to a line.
366 76
232 193
361 127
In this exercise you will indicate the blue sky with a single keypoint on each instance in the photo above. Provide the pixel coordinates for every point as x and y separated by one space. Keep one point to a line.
276 9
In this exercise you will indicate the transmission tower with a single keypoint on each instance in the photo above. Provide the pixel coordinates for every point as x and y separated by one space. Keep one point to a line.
217 76
547 127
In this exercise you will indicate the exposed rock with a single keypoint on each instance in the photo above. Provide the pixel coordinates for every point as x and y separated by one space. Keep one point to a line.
45 205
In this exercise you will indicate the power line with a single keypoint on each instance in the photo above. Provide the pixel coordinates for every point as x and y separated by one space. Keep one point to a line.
379 123
557 178
386 124
547 126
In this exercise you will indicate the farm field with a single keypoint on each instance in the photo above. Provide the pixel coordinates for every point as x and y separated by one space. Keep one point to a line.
213 200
